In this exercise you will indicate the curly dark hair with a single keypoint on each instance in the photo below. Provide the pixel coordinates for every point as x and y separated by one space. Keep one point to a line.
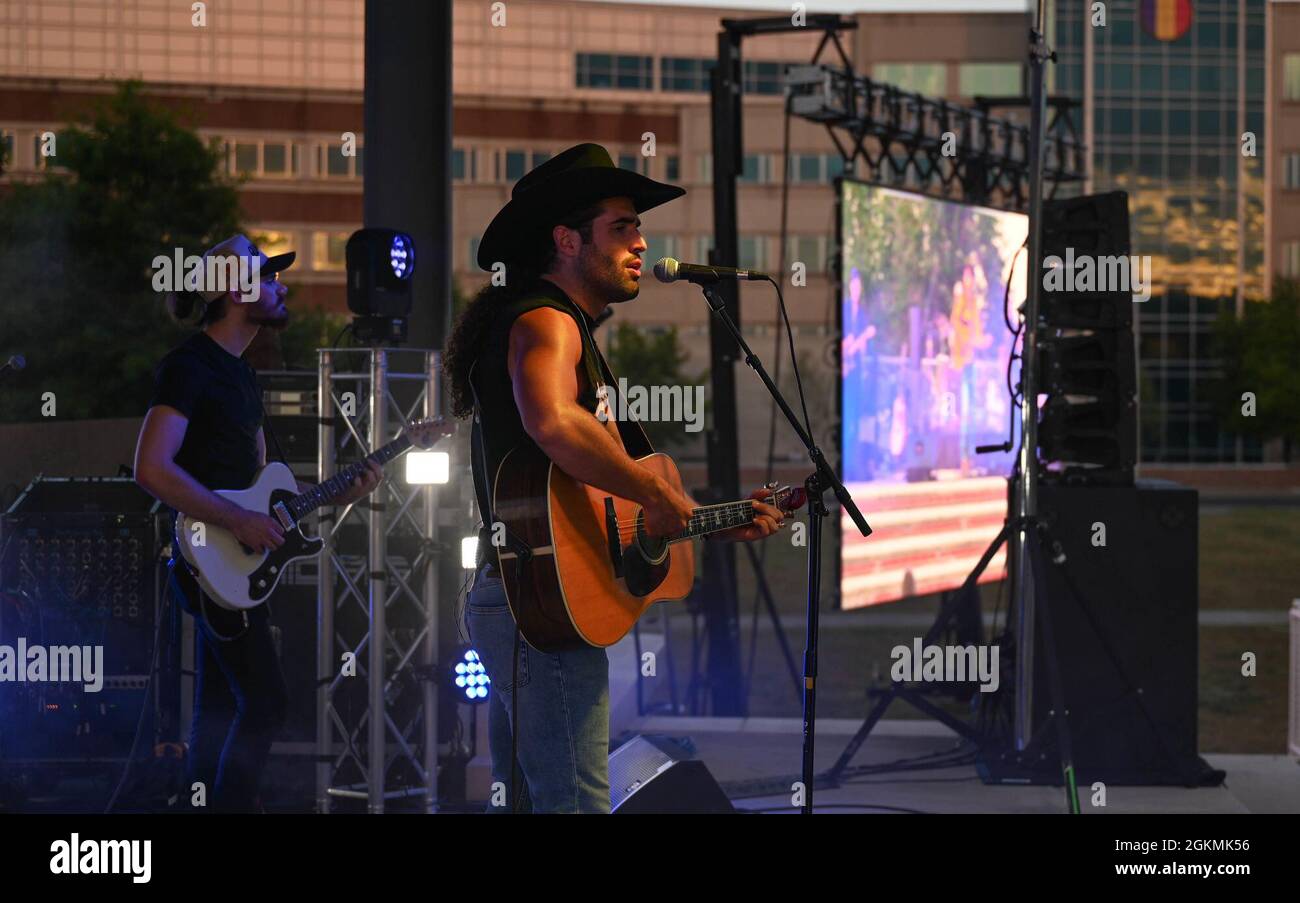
465 343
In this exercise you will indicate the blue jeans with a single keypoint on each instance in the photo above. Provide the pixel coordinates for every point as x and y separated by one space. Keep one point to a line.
240 699
563 712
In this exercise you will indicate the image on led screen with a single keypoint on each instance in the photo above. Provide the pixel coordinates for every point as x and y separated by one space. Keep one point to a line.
924 353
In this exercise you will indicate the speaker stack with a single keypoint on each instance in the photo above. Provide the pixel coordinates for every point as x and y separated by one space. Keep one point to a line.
1087 432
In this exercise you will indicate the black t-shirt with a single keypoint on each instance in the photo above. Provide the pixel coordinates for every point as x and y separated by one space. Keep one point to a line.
220 395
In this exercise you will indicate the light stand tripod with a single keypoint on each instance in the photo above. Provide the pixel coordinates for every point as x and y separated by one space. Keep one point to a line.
816 484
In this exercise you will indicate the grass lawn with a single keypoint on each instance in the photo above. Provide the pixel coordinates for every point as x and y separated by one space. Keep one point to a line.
1249 559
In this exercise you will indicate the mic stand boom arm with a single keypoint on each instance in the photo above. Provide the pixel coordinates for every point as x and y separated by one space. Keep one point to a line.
821 479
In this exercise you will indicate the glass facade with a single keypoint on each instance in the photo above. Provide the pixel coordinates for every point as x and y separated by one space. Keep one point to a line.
1168 130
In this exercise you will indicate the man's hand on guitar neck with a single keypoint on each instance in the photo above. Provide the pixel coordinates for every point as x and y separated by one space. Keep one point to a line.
363 485
767 520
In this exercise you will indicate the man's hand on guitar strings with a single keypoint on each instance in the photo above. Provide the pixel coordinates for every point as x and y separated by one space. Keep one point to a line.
767 520
257 532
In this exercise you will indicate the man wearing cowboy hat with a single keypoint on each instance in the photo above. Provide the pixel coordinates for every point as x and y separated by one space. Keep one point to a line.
522 359
203 431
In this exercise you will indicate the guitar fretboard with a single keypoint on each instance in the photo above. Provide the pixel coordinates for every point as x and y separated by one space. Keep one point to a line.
324 493
715 518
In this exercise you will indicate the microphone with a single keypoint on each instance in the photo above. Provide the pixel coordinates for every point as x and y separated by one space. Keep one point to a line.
670 270
15 363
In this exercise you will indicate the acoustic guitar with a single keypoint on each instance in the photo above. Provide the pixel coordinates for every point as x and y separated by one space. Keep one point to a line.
577 565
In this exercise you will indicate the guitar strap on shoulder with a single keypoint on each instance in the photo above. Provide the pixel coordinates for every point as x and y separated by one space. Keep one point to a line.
601 376
523 552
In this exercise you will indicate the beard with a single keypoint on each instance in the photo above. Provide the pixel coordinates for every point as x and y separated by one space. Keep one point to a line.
607 278
274 321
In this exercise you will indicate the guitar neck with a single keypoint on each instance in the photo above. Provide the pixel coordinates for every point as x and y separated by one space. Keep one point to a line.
326 492
716 518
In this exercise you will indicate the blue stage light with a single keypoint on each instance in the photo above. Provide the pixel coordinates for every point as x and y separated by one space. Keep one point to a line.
401 255
471 677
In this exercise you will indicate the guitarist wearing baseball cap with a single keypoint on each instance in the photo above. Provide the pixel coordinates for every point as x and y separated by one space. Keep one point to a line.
204 432
522 360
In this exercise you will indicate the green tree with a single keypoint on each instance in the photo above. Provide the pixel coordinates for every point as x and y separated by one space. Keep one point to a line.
129 180
653 359
1261 354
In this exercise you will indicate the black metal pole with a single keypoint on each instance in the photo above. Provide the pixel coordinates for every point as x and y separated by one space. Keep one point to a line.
1026 497
718 599
821 479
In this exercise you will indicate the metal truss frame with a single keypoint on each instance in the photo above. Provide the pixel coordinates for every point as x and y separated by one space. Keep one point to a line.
379 607
905 139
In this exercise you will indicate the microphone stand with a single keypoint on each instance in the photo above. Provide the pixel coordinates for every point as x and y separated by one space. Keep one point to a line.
821 479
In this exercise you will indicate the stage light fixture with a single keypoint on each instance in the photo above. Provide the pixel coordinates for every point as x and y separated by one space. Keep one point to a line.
380 264
425 468
471 678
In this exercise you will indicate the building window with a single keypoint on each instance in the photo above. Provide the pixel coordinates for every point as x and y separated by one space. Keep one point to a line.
990 79
807 249
1291 76
635 162
1291 259
763 77
1291 171
7 146
757 169
332 163
706 169
703 244
659 247
685 73
622 72
516 165
923 78
458 165
245 158
272 242
275 158
752 254
327 251
805 167
673 168
473 252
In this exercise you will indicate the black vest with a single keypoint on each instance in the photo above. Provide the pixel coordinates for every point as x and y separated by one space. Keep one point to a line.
498 428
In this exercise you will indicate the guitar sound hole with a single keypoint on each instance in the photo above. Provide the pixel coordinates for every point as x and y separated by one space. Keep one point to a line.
652 548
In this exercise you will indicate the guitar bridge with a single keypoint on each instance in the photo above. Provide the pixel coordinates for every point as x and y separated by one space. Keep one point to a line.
615 544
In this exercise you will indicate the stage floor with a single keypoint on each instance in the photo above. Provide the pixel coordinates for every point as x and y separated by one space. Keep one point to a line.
740 751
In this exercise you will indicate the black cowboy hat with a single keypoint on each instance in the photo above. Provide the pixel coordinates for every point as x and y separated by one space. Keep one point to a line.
569 181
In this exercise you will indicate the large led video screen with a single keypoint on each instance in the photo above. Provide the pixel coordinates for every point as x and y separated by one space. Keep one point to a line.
924 351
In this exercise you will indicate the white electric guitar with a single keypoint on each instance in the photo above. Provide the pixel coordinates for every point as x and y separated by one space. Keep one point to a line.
235 576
